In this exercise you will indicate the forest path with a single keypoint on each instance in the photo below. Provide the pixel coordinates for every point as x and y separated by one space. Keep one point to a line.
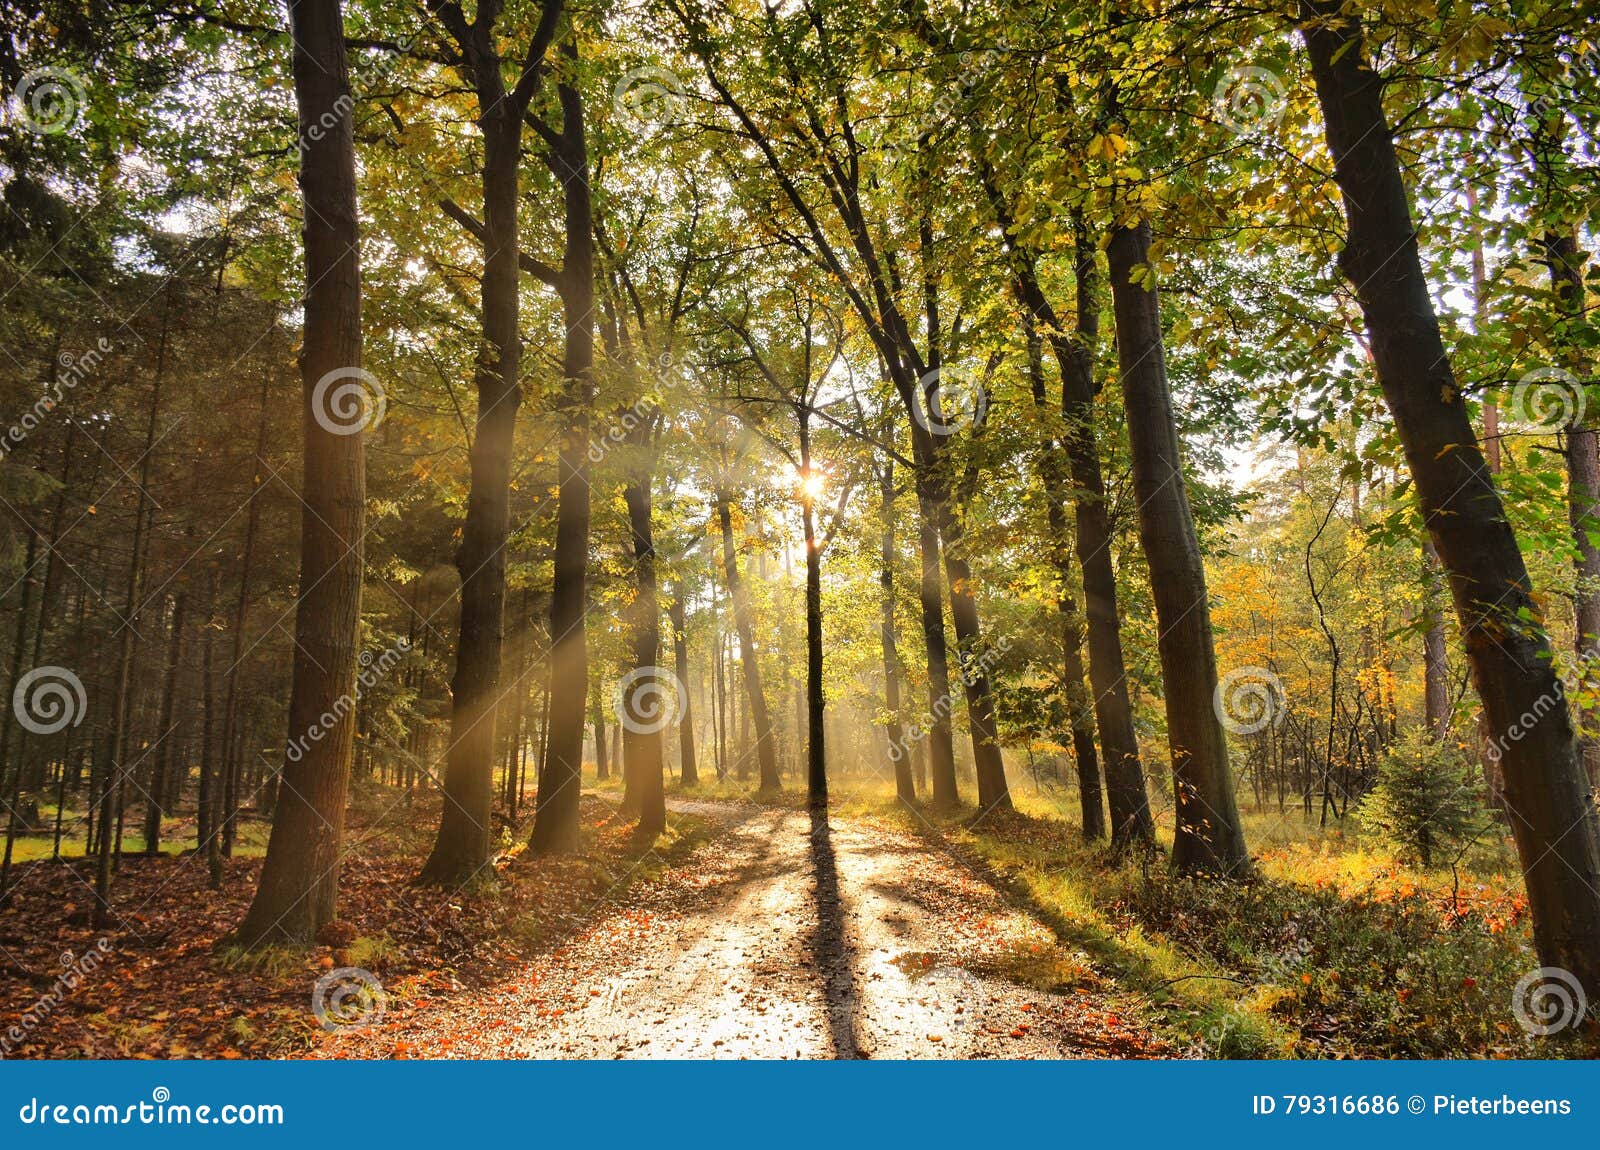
783 937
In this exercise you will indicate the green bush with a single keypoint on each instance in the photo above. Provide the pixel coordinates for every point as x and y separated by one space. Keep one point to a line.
1427 798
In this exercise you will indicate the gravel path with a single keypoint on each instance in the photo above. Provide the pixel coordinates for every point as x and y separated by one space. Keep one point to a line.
782 938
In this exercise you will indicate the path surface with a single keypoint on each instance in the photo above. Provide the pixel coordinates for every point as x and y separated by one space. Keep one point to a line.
782 940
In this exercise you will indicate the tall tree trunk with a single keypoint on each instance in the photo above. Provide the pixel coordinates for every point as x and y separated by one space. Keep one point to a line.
645 710
930 593
209 843
555 827
1208 837
1435 655
1074 354
162 768
1080 709
298 892
230 706
766 750
113 781
1556 827
47 594
688 770
597 718
11 769
462 846
899 752
816 745
1565 259
987 762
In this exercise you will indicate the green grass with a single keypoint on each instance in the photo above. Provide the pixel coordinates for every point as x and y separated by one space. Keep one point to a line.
250 840
1334 947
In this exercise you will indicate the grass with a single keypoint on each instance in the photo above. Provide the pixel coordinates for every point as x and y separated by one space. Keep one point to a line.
1333 948
178 835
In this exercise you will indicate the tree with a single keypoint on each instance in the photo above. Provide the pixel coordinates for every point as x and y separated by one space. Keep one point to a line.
555 828
462 847
1208 837
298 891
1555 826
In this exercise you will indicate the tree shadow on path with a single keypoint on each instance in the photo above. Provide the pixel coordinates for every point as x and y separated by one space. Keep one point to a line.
834 954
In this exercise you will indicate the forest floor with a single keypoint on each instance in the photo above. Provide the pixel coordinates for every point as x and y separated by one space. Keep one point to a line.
784 937
748 930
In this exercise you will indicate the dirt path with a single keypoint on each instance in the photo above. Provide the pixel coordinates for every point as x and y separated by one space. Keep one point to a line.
782 939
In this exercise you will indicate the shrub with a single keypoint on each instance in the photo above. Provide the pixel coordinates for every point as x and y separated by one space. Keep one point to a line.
1427 798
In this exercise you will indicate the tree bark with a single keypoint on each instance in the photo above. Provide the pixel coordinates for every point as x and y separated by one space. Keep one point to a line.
1565 259
162 767
555 826
298 891
816 746
930 594
230 707
462 846
1556 828
1435 654
1080 716
1207 837
1074 355
644 704
597 718
749 662
899 752
688 769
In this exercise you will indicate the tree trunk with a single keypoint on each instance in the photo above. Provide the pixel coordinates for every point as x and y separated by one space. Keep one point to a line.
1108 676
230 707
688 770
11 769
113 780
987 762
1555 825
210 841
766 751
555 826
899 752
1207 837
1565 260
597 716
162 767
816 745
299 886
645 707
941 743
463 845
1080 709
1435 655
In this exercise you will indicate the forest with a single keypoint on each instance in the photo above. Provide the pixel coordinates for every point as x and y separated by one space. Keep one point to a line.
792 528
